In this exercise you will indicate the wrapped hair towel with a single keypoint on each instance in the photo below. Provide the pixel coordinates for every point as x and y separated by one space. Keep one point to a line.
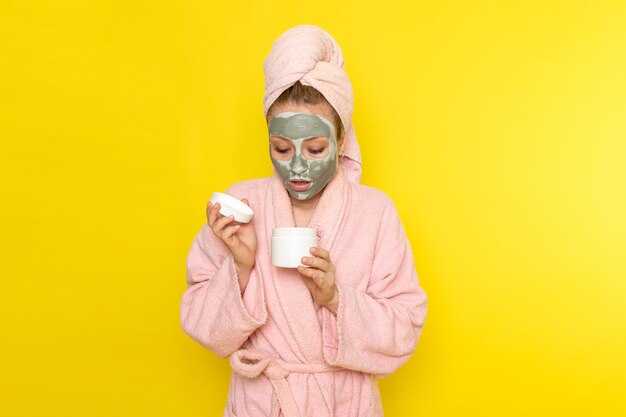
308 54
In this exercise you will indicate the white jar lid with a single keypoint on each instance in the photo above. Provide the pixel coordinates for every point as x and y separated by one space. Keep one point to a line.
231 206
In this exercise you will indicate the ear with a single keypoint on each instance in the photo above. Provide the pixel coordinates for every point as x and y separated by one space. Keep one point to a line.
341 148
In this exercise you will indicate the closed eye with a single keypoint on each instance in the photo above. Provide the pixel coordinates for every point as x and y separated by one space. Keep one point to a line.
281 150
317 151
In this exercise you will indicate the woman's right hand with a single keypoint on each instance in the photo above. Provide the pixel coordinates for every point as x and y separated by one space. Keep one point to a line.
239 238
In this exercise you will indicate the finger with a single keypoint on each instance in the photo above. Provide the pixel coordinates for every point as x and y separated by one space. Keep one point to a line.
245 201
315 274
221 223
229 231
321 253
307 272
212 213
316 262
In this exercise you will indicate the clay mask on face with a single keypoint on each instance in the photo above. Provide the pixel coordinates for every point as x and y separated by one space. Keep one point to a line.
310 175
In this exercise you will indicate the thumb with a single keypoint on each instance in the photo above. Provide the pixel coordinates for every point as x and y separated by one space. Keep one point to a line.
245 201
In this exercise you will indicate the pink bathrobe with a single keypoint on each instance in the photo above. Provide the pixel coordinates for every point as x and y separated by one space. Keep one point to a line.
291 357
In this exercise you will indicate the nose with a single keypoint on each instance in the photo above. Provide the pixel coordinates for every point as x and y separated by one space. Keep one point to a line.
298 165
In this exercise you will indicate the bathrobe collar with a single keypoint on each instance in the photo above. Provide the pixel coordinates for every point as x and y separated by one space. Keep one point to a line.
296 303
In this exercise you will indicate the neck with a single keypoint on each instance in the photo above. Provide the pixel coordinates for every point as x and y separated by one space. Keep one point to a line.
305 205
303 210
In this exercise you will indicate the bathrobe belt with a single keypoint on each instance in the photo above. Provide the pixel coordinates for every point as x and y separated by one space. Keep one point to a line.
251 363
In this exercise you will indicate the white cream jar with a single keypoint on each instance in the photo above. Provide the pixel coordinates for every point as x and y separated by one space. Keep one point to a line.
291 244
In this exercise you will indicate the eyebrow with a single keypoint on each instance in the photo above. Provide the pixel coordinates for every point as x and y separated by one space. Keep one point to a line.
272 136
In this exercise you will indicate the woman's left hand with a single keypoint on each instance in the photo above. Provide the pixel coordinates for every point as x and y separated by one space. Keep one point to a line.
319 277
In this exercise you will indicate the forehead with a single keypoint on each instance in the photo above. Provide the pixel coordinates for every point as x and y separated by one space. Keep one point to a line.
322 108
300 125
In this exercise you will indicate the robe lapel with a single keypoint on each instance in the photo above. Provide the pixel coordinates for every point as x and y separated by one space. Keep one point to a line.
330 210
295 303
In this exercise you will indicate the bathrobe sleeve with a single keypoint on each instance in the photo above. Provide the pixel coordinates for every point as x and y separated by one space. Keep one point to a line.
213 311
376 330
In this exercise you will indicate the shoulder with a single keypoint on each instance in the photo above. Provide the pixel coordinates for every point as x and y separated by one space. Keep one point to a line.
256 191
381 210
373 198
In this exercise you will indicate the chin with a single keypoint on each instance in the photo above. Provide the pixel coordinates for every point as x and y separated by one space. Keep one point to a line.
299 195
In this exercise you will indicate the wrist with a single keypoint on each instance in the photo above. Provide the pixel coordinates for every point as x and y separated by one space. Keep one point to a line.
243 276
333 304
242 269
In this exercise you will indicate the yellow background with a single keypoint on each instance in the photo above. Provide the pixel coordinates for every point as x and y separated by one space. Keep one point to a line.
498 128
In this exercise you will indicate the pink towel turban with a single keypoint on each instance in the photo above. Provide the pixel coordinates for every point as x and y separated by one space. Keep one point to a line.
310 55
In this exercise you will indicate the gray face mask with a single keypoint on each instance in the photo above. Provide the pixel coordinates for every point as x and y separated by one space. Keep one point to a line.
303 177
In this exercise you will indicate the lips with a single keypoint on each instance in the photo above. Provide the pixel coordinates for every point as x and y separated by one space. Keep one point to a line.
300 185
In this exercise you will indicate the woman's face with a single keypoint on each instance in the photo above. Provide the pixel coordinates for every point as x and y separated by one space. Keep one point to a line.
303 147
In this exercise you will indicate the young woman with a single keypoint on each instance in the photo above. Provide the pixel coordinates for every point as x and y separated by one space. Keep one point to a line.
310 341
